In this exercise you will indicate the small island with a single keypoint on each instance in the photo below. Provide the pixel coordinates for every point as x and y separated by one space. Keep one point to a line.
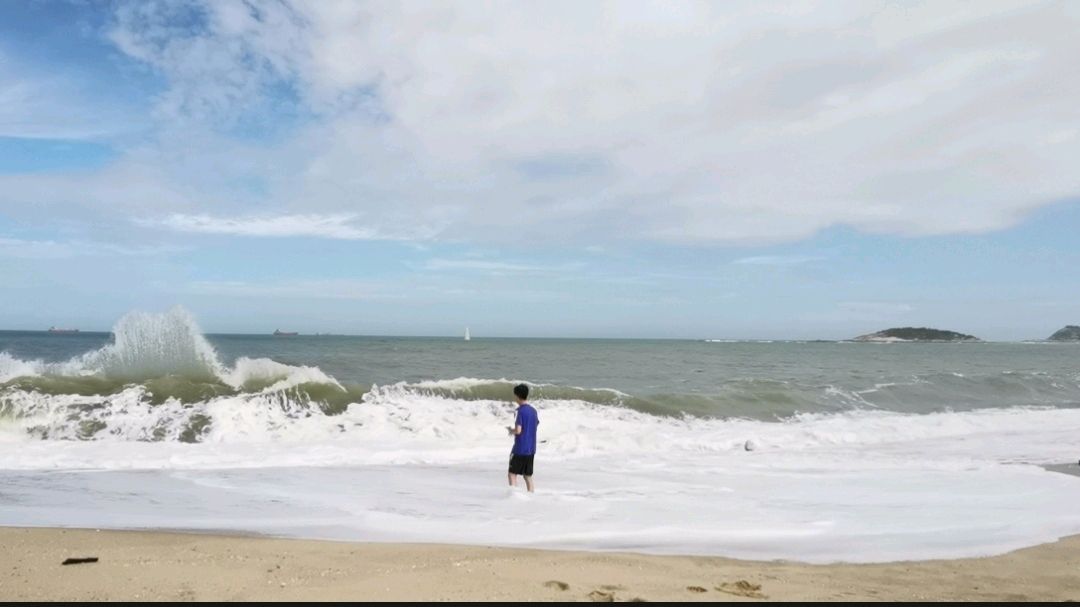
1069 333
913 334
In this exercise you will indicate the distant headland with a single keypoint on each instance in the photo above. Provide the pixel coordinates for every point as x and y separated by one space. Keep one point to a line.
920 334
1069 333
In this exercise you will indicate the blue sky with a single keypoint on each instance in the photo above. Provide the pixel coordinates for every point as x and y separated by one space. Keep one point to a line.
630 169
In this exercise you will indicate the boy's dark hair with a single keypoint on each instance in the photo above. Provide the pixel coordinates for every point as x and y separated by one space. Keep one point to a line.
521 391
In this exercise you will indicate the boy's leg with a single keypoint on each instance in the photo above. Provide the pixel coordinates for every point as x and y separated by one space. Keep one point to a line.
528 483
510 476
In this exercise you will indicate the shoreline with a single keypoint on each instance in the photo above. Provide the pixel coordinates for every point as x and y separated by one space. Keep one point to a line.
194 565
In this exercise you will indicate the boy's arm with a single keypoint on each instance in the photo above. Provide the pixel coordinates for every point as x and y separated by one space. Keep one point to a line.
516 428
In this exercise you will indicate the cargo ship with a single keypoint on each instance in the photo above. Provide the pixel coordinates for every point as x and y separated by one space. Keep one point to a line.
59 330
280 333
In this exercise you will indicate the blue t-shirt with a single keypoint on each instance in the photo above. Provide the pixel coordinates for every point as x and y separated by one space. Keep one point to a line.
525 443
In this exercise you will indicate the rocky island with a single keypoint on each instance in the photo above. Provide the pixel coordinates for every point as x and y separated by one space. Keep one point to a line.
913 334
1069 333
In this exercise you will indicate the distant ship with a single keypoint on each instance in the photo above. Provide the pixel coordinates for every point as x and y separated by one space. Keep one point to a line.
59 330
281 333
467 338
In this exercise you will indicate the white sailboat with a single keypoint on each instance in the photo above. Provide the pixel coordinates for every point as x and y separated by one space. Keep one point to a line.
467 338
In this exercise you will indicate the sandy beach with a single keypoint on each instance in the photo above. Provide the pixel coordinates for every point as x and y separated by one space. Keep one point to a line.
196 567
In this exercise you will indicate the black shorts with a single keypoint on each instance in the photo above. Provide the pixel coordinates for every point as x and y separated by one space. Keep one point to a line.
521 464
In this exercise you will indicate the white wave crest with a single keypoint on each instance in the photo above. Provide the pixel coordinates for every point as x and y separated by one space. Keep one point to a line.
397 424
11 367
275 375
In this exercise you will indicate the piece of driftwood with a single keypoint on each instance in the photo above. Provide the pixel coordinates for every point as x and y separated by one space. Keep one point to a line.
80 560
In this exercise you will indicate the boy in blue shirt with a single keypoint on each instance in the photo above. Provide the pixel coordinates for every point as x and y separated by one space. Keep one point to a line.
524 433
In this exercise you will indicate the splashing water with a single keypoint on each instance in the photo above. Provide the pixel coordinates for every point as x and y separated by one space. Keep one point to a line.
155 345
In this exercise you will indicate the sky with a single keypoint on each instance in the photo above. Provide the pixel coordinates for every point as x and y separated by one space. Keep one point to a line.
739 170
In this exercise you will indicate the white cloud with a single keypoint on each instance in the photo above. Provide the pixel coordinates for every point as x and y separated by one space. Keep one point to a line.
351 289
875 308
220 72
778 260
305 289
598 122
495 267
51 249
56 106
340 226
118 190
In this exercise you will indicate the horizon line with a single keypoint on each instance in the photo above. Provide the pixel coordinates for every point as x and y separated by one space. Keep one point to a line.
474 338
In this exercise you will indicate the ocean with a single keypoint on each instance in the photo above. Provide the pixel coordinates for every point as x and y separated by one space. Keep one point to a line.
816 451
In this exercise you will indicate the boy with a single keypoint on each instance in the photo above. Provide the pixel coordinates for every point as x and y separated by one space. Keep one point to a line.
524 433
